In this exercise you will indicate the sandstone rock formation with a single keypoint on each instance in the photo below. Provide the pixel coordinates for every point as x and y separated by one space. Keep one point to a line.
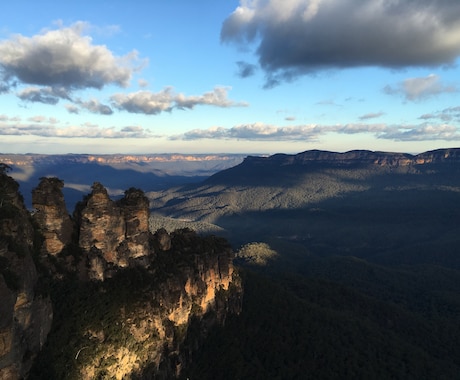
51 215
25 315
164 239
179 303
128 302
135 209
113 234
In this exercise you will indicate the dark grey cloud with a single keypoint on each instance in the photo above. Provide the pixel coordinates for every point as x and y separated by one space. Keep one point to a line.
446 115
46 95
152 103
296 37
95 106
72 108
246 69
420 88
63 58
5 86
428 116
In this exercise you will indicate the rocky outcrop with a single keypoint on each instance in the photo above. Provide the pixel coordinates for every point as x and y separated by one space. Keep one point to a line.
135 210
101 225
25 315
163 239
150 298
178 303
51 215
113 234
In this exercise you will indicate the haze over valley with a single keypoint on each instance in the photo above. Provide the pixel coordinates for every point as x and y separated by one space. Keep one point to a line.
116 172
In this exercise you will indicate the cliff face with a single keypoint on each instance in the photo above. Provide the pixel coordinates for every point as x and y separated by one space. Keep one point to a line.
160 310
359 157
25 316
128 302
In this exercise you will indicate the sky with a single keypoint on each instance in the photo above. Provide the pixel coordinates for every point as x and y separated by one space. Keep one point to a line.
223 76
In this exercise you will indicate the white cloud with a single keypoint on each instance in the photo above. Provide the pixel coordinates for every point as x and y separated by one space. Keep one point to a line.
144 101
314 132
143 83
151 103
41 119
41 126
425 132
420 88
63 58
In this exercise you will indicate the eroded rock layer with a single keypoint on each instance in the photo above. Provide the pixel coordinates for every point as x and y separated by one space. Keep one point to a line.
51 215
127 303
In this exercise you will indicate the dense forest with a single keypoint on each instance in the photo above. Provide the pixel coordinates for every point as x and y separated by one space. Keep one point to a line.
360 277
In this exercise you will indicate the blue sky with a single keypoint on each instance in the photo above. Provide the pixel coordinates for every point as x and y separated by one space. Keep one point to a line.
212 76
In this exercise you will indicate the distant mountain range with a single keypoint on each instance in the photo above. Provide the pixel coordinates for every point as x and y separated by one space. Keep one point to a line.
357 202
362 157
116 171
283 181
365 279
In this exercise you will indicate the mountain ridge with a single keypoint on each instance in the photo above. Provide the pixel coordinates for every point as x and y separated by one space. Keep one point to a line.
360 156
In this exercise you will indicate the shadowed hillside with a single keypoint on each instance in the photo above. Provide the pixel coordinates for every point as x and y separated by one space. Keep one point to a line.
364 279
335 204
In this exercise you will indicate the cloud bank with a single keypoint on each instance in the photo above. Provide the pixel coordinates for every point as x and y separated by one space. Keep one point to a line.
296 37
41 126
314 132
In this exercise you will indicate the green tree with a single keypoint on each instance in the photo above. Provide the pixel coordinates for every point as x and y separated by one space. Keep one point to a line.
4 168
